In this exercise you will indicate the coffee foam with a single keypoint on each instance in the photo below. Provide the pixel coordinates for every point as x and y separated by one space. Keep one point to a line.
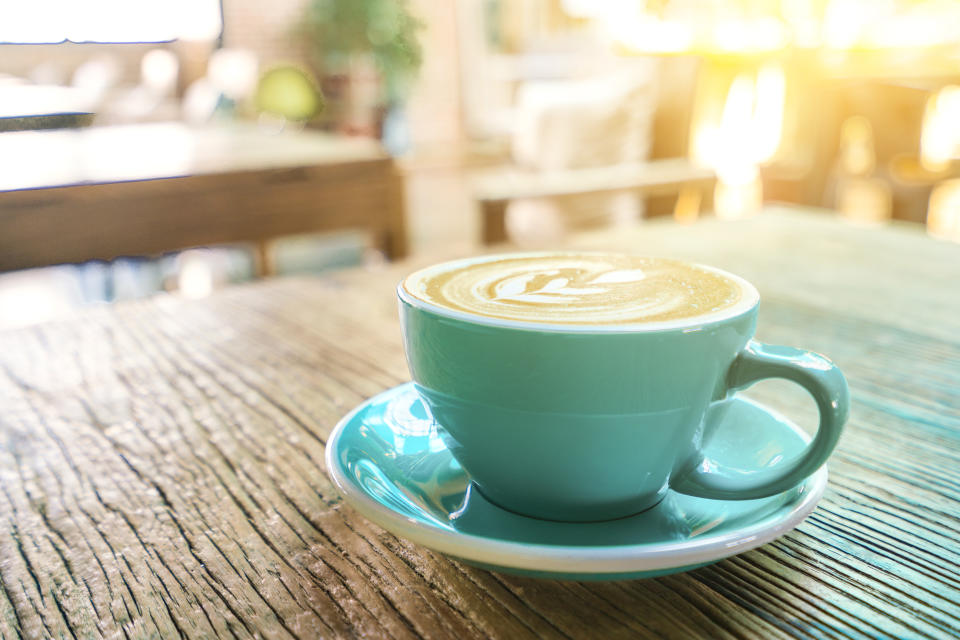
576 288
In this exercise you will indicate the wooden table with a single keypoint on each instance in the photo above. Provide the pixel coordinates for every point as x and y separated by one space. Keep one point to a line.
136 190
161 467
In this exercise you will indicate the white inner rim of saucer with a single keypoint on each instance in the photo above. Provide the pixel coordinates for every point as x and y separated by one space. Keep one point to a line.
566 559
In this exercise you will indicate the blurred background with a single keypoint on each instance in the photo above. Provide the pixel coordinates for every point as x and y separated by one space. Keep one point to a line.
181 145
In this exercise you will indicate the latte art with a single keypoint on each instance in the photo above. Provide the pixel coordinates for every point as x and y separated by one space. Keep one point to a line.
576 288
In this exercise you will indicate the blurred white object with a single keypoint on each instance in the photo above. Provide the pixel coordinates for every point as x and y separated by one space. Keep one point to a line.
95 77
196 273
38 295
199 102
159 69
233 72
49 73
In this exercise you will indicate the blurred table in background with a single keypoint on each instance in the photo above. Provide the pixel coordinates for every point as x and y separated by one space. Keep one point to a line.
104 192
162 469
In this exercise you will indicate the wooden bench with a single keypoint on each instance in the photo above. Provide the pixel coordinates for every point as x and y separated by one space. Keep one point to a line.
495 189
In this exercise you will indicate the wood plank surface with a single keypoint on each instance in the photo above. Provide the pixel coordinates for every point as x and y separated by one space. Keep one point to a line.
162 474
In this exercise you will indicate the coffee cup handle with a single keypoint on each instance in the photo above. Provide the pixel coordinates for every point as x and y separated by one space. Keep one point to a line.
709 479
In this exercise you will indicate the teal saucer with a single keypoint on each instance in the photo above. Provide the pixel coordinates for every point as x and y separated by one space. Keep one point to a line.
388 460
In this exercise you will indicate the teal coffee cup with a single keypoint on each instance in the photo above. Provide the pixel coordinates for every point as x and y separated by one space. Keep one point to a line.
583 422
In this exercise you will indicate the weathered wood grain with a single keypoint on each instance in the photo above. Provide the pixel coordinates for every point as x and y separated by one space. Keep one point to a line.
162 475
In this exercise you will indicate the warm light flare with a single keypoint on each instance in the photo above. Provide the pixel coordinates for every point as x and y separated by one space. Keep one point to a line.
753 35
857 155
940 136
771 92
844 21
766 27
651 35
732 201
687 208
747 135
943 216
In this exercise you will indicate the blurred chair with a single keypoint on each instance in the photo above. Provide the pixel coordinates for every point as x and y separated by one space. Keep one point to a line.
494 190
579 148
578 124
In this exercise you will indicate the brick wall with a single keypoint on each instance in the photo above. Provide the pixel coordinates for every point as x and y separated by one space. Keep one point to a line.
434 109
265 27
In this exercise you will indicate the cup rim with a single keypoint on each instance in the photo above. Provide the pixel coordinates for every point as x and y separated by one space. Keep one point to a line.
749 302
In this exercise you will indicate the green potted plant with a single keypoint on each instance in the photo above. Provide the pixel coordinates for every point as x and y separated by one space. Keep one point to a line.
367 54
